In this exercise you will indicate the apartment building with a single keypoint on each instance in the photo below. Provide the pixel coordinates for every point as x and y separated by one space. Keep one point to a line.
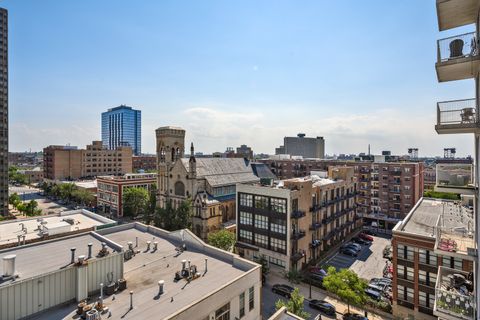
110 190
3 111
387 191
292 222
433 249
146 162
307 147
70 163
458 58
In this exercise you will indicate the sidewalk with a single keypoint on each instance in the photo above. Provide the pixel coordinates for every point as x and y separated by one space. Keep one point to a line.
319 294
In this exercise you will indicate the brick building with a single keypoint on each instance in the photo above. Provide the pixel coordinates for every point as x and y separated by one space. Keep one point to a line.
146 162
70 163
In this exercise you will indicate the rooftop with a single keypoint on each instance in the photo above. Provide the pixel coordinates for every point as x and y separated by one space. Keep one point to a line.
82 220
47 256
146 268
422 219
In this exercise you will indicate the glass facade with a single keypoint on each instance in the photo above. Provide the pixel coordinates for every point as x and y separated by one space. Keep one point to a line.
121 126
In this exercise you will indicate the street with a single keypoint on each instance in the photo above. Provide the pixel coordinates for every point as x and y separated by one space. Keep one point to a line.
27 193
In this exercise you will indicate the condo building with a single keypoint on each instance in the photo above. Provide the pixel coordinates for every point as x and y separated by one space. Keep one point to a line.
122 126
70 163
292 222
3 111
387 191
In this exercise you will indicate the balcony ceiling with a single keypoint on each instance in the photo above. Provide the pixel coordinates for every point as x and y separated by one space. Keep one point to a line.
456 13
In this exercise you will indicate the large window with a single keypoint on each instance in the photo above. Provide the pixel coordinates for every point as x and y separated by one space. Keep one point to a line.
251 299
242 304
261 202
404 252
279 205
245 218
405 293
261 222
278 225
277 262
410 274
278 245
261 240
427 257
246 200
245 236
223 313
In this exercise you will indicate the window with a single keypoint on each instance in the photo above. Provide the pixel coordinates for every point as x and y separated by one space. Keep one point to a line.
278 205
251 299
277 262
400 271
432 259
432 278
401 292
261 240
278 225
245 236
223 313
457 263
278 245
242 304
422 299
245 218
410 253
261 222
422 276
246 200
410 295
261 202
410 274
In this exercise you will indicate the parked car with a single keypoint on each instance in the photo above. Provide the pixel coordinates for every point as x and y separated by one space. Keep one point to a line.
375 295
370 232
349 252
354 316
365 236
323 306
383 281
360 241
387 252
283 290
352 246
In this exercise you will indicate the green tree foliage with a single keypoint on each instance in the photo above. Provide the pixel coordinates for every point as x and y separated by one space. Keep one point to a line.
294 304
15 176
83 197
66 191
151 205
135 201
346 285
222 239
14 200
172 219
29 208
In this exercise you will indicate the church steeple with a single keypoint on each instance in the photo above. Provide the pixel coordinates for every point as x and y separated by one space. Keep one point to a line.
192 162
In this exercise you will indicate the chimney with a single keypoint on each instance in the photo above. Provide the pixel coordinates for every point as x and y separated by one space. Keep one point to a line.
73 254
90 250
155 244
160 286
206 261
148 245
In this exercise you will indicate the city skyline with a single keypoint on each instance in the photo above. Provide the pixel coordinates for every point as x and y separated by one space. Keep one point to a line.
231 74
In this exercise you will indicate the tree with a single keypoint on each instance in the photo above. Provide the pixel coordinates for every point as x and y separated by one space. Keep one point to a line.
134 201
15 176
346 285
183 215
31 208
294 304
172 219
152 204
14 200
66 191
222 239
82 196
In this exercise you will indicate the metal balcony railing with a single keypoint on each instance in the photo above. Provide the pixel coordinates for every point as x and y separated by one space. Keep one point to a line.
457 112
296 214
460 46
454 297
452 239
296 235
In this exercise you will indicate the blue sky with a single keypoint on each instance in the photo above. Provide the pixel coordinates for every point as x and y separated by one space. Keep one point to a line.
231 73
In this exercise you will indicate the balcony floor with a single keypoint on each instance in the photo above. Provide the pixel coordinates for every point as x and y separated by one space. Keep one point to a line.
458 69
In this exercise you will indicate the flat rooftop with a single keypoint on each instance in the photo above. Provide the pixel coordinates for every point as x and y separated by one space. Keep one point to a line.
146 268
422 220
83 220
43 257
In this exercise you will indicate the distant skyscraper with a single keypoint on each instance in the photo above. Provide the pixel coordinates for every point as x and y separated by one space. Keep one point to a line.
122 126
3 111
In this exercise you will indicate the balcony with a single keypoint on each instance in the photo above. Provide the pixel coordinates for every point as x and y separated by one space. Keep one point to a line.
454 235
457 57
457 116
454 297
296 235
456 13
297 214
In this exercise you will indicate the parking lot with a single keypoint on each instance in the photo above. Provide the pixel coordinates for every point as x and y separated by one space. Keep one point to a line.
27 193
368 264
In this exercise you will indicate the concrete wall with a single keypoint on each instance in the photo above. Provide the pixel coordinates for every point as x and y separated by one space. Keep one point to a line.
26 297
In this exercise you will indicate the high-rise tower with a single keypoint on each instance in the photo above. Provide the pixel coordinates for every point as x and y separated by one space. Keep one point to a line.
122 126
3 111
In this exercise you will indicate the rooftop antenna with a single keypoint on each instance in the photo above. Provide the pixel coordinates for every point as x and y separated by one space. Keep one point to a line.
369 149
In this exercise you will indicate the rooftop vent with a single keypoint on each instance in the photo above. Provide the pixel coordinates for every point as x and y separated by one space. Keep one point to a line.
301 135
9 266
